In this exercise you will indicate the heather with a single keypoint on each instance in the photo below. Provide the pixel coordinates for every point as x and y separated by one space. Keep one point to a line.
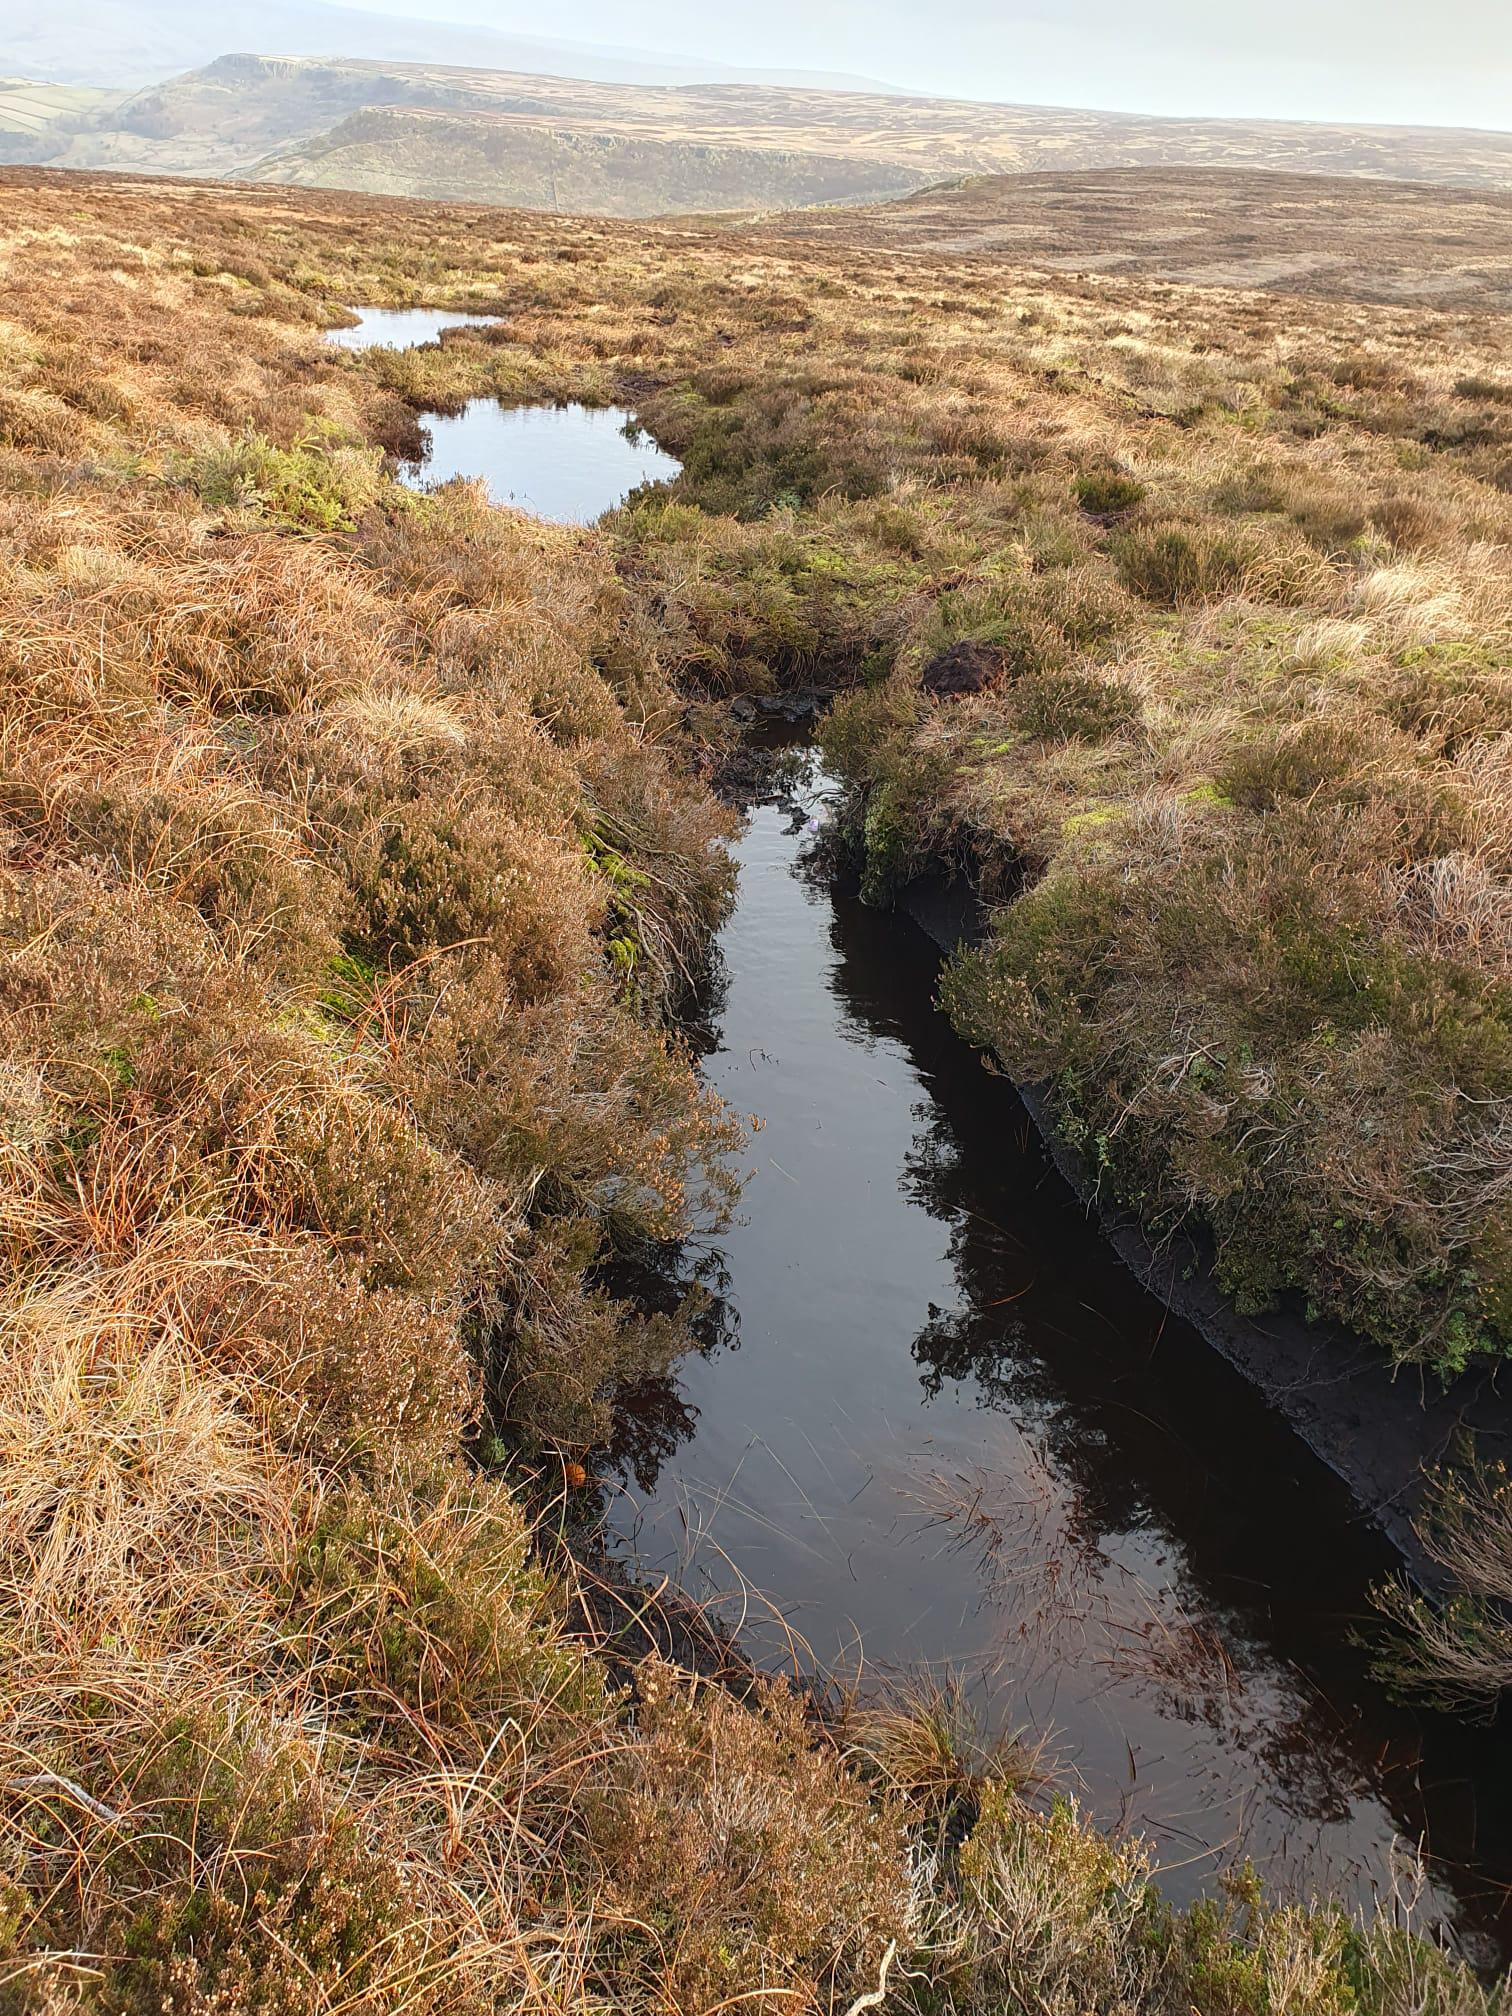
357 856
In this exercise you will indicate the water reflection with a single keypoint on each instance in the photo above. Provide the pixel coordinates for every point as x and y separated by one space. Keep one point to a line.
569 464
958 1434
403 328
653 1418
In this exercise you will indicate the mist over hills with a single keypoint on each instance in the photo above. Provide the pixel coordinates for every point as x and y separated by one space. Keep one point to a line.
127 44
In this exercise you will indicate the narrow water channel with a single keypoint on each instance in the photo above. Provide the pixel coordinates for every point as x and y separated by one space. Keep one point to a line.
941 1430
945 1431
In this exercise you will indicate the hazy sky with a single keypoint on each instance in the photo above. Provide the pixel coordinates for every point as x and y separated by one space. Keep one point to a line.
1443 62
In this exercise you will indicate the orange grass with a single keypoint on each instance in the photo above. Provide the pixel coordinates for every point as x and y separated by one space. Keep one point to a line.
324 1099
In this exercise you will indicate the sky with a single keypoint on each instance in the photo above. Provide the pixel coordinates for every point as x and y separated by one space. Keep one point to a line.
1421 62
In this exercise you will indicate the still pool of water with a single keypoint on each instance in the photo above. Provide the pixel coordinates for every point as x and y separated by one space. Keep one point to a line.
569 464
566 463
403 328
942 1429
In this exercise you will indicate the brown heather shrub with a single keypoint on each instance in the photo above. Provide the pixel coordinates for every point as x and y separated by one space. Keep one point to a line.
598 1115
1414 523
352 857
350 1374
433 876
743 1838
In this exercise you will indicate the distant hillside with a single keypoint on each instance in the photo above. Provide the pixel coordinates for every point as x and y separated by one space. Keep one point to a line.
223 119
1360 240
30 114
632 149
585 169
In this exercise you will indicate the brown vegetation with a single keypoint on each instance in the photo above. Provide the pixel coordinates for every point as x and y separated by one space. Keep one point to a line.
352 860
1220 225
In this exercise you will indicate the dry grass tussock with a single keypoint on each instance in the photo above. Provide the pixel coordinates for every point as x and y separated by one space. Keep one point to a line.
351 864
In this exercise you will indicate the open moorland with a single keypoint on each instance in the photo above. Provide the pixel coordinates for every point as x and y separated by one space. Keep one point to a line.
1392 242
357 854
558 143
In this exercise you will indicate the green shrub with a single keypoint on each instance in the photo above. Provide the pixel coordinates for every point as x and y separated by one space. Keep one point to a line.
862 731
1172 563
1296 761
236 1880
1062 706
1302 1022
424 1621
1108 493
312 487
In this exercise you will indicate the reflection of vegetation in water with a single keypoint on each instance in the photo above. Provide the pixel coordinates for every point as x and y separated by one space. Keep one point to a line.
320 1069
1125 1425
651 1417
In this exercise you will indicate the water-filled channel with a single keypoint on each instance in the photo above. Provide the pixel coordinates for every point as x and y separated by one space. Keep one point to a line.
940 1429
943 1429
